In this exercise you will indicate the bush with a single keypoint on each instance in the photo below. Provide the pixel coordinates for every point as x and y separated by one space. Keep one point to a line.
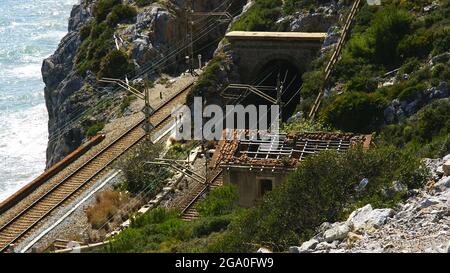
389 28
416 45
322 189
208 79
94 129
441 42
410 66
426 134
94 48
115 64
141 176
291 6
355 112
206 226
220 201
126 102
412 92
142 3
262 16
85 31
121 14
103 7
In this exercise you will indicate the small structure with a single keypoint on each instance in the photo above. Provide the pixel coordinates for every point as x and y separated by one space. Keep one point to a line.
256 162
259 50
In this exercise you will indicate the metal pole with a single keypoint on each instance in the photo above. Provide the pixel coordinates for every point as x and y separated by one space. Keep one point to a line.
190 23
279 98
147 109
199 61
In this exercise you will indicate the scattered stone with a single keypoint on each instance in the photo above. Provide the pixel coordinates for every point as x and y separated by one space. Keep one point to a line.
429 202
263 250
354 237
443 184
446 168
367 218
326 246
308 245
337 233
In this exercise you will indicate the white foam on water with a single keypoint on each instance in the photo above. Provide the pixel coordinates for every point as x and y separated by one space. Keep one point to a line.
29 32
23 140
25 71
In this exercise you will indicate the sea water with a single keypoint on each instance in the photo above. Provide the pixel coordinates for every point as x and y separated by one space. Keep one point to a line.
30 31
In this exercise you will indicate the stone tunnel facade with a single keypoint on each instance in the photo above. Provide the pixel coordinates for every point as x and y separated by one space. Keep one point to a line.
256 50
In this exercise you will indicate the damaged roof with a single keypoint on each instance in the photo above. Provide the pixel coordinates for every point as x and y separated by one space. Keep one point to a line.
244 148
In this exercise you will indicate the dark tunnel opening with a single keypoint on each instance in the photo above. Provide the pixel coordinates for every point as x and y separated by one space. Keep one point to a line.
290 78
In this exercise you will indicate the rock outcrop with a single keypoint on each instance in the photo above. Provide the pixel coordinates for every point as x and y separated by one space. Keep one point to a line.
420 224
156 31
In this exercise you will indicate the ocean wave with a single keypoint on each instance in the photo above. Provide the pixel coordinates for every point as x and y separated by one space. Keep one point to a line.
50 36
29 32
25 71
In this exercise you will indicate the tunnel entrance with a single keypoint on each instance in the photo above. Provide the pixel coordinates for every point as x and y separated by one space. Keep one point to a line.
290 77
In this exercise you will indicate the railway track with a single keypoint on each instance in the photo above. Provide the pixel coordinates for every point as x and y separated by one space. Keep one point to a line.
356 7
32 217
189 208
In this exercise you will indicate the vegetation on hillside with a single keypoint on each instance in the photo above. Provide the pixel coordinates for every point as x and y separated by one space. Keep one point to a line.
426 135
97 51
140 175
384 38
162 230
324 188
264 14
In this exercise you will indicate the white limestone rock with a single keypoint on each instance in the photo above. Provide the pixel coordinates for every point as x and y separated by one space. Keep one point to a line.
308 245
446 168
367 218
263 250
337 233
443 184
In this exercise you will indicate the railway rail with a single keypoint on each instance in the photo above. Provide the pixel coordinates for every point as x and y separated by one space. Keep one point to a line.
357 5
189 208
32 217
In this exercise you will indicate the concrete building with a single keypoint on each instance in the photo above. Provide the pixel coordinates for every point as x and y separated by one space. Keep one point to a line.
257 162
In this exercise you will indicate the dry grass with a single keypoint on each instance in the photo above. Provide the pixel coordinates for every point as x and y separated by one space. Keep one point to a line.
108 204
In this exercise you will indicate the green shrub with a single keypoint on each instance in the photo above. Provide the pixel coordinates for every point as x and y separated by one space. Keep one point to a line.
208 79
103 7
410 66
355 112
426 134
208 225
441 41
142 3
389 28
220 201
418 44
291 6
94 129
262 16
115 64
94 48
410 93
140 176
322 189
121 14
126 102
85 31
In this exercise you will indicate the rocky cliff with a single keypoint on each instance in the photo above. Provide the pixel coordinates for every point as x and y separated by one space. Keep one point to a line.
75 99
